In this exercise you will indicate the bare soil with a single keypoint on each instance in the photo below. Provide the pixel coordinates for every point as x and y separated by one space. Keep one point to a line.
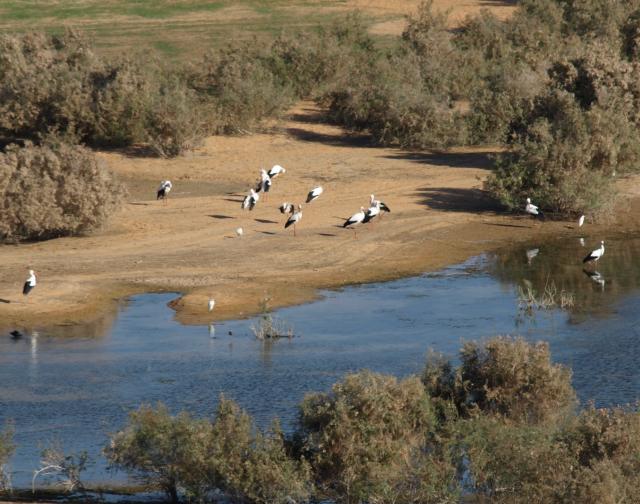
439 216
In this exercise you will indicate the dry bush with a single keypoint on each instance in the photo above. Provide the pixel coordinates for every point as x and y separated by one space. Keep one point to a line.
506 377
197 458
6 451
64 468
368 441
54 190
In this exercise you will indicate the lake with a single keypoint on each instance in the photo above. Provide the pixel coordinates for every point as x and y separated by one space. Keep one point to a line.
76 384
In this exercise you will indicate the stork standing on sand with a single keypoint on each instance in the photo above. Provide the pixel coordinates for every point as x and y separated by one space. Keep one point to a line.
164 190
265 182
373 201
294 219
314 194
532 209
250 200
211 304
372 212
594 255
276 170
355 220
30 283
581 221
287 208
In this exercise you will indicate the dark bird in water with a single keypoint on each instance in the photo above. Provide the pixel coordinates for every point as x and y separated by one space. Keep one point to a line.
30 283
594 255
15 334
164 190
314 194
532 209
294 219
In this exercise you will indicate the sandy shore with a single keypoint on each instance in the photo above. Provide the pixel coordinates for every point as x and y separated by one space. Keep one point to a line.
439 217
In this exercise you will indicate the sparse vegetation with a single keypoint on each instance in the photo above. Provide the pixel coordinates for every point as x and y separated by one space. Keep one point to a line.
269 327
65 469
530 301
54 190
6 450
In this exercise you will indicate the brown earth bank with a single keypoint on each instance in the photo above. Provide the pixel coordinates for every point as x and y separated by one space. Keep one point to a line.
439 216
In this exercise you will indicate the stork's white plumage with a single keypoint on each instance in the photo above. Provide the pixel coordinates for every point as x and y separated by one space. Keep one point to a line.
164 189
355 220
211 304
250 200
532 209
314 194
581 221
373 201
239 232
294 219
595 255
30 283
265 181
286 208
276 170
372 212
581 240
531 254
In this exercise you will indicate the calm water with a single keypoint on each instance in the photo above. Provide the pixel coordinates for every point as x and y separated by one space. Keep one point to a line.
76 384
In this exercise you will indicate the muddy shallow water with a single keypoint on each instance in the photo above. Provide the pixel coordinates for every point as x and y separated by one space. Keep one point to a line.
76 384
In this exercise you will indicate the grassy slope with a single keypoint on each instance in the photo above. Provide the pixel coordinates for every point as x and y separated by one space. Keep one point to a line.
177 28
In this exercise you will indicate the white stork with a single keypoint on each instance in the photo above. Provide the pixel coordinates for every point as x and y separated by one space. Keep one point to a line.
164 190
532 209
30 283
314 194
286 208
596 254
354 220
239 232
265 182
294 219
372 212
211 304
276 170
383 207
250 200
531 254
581 221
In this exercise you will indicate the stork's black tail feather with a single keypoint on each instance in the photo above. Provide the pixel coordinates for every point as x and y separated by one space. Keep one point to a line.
160 194
587 259
384 207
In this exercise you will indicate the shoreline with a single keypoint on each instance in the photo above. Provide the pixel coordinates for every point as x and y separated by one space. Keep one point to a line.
439 217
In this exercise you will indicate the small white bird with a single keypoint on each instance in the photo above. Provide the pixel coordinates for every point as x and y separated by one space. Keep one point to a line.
581 221
211 304
294 219
164 190
30 283
250 200
276 170
581 240
596 254
354 220
532 209
314 194
239 232
531 254
286 208
265 182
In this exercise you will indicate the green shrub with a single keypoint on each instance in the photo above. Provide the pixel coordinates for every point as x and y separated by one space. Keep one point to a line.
369 441
54 190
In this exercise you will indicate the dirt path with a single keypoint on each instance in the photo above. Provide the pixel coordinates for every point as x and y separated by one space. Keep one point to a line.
439 217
